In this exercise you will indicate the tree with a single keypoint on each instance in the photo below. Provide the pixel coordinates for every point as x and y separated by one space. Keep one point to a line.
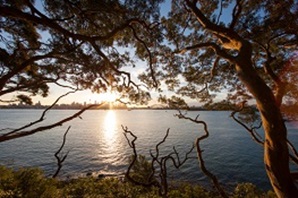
77 45
195 50
73 44
245 55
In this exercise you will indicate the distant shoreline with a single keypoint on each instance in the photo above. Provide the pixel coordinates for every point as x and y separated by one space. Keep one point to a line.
78 108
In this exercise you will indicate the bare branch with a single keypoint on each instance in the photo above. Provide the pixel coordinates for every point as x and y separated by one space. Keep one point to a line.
161 162
132 145
293 157
10 136
258 139
255 136
41 117
199 153
59 159
149 54
220 12
236 13
220 52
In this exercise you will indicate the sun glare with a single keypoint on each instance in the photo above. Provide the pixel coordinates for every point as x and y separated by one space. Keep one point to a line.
108 97
109 125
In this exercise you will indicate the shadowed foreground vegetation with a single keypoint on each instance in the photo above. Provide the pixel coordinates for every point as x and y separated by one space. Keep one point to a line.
31 182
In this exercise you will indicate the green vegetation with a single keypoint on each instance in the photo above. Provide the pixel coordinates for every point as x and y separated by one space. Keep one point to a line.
31 182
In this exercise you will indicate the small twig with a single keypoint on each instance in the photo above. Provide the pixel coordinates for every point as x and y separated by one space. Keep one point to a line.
59 159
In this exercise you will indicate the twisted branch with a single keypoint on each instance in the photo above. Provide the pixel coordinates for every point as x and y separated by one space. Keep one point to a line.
156 159
200 151
59 159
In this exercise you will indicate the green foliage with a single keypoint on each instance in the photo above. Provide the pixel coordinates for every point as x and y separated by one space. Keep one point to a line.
185 190
248 190
30 182
142 169
26 183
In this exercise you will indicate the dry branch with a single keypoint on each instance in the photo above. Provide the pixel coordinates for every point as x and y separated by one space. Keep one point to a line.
60 159
156 160
42 117
200 151
19 134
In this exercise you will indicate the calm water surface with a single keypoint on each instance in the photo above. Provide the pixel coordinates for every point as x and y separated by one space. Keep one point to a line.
97 144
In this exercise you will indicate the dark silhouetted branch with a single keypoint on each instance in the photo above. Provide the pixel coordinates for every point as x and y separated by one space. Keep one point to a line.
258 139
19 134
236 13
252 131
149 54
200 151
42 117
218 50
61 159
156 160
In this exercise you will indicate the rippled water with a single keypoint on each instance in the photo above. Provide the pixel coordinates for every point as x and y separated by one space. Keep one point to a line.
97 144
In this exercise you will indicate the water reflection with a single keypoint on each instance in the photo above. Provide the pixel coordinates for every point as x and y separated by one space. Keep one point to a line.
109 127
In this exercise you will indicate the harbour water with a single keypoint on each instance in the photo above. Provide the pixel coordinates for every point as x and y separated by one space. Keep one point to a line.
96 144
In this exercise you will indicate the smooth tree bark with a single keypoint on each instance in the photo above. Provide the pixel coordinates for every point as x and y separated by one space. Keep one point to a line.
276 153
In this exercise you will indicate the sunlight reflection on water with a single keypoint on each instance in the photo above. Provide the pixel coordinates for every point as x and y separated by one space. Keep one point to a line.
109 127
97 144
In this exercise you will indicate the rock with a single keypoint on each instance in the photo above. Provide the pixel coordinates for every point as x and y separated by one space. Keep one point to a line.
100 176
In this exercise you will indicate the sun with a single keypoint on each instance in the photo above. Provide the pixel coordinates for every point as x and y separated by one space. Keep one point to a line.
108 97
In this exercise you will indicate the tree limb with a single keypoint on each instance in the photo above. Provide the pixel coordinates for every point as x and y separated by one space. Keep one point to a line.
220 52
236 13
41 117
149 54
19 134
199 153
255 136
161 162
59 159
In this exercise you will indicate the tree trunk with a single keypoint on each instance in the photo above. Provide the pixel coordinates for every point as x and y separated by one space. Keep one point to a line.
276 154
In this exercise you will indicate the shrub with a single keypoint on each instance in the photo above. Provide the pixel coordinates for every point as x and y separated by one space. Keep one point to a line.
248 190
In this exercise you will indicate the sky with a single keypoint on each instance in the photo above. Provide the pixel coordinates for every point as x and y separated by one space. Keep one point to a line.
87 96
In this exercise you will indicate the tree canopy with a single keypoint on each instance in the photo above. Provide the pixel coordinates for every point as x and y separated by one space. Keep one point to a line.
75 44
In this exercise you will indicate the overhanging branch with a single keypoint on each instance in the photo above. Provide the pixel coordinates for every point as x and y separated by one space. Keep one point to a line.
200 151
19 134
220 52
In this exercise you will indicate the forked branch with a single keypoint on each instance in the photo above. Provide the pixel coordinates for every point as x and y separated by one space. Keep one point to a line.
158 176
252 131
61 159
200 151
